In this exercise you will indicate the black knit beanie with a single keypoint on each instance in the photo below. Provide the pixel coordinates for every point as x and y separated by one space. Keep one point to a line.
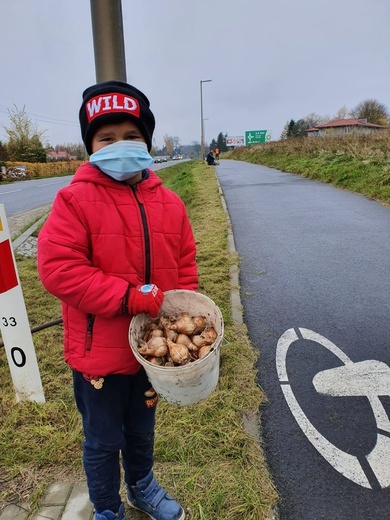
114 102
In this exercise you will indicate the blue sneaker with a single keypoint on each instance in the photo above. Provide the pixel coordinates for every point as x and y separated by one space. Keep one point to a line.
110 515
147 496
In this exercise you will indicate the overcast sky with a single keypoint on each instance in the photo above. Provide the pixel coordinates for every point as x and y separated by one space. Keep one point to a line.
269 61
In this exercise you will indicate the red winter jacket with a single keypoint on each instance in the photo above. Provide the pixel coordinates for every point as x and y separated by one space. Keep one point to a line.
101 237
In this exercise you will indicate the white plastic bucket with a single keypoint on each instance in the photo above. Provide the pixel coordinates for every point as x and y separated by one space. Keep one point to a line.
191 383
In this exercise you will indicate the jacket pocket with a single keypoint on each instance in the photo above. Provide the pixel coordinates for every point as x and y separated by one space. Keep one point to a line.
90 324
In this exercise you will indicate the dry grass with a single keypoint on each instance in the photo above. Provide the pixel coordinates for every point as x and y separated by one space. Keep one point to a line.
204 455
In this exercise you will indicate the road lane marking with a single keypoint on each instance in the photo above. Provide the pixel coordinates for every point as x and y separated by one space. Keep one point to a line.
346 464
6 192
47 184
369 378
378 459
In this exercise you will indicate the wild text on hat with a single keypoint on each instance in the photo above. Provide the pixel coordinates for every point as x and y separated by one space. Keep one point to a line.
111 103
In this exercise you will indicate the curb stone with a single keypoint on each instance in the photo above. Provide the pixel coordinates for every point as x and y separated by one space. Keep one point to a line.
26 244
250 422
18 221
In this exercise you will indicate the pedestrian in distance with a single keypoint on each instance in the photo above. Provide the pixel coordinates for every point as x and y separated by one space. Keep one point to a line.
114 241
210 159
216 151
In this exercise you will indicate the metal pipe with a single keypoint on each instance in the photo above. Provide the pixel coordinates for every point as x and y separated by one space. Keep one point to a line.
108 40
201 125
41 327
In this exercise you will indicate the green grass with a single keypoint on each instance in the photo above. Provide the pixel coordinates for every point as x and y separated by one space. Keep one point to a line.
356 163
204 455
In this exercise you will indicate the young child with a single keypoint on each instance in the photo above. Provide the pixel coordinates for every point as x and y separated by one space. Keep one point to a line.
113 229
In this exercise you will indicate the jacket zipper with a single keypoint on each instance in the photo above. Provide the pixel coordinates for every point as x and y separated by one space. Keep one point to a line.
91 320
146 235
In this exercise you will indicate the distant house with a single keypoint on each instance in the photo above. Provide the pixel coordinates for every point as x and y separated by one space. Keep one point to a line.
60 156
342 127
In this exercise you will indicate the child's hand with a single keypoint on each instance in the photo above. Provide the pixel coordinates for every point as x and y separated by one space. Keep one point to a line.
149 302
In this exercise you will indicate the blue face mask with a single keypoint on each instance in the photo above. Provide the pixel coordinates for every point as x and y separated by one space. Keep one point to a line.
122 160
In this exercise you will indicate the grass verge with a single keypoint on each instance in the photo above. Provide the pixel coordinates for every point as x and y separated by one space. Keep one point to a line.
204 455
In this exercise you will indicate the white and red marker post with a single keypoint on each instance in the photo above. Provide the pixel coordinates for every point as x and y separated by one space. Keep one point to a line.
14 325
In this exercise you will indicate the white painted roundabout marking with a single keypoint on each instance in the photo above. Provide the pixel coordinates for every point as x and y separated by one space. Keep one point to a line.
369 378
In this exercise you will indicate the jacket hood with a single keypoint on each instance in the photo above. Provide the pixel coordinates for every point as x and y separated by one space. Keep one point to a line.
88 173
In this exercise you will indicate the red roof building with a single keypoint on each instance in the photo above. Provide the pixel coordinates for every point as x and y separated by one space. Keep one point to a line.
344 126
60 156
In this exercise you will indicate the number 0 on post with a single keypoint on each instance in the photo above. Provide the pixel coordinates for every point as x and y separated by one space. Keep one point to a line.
14 324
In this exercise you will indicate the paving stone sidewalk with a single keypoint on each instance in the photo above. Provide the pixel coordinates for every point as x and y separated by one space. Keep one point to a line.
21 220
21 231
62 501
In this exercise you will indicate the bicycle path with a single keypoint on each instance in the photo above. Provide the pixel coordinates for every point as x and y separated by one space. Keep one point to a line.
315 286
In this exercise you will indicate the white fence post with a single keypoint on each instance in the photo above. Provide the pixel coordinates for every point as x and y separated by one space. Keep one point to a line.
14 324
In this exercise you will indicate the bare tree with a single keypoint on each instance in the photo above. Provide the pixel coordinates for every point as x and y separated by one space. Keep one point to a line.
314 119
373 111
176 142
342 113
25 140
169 146
298 128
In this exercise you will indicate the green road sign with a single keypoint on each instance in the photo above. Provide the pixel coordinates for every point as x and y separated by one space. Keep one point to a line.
255 137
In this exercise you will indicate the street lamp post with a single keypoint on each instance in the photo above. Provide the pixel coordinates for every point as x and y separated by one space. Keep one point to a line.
108 40
201 118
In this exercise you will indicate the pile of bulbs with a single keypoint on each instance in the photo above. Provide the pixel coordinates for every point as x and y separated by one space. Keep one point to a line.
176 340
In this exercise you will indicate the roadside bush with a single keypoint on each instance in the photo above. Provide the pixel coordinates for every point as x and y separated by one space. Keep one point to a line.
15 172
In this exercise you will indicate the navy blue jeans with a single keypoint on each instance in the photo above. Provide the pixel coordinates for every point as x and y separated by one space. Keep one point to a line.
118 417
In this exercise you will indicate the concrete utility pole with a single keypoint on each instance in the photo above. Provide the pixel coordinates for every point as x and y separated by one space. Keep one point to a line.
201 118
108 41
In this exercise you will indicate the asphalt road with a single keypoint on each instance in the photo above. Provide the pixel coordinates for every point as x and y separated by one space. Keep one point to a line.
31 194
315 286
27 195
